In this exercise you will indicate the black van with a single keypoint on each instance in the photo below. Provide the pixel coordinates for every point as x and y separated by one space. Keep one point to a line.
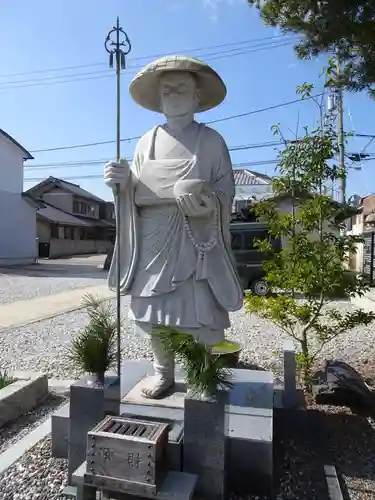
248 259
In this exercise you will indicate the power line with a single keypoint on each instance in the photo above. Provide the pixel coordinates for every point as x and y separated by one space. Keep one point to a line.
101 64
54 80
108 71
99 176
101 161
227 118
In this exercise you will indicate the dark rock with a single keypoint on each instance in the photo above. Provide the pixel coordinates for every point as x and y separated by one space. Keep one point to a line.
341 385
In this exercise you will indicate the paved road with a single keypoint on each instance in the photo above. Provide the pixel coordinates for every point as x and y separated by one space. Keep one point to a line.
24 312
50 277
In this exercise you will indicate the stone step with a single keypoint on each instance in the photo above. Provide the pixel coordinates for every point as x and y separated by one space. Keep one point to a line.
176 486
60 432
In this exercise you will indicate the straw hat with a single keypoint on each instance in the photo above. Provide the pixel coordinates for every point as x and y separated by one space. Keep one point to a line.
144 88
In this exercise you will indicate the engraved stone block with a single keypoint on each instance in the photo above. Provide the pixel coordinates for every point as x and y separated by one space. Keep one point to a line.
127 455
205 444
89 404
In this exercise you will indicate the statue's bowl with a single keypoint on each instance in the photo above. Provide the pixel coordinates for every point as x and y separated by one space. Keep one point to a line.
230 349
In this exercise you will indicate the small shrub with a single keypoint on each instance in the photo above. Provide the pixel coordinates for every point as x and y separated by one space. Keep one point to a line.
94 349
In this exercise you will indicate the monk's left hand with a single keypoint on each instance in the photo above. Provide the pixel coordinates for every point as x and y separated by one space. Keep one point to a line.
193 205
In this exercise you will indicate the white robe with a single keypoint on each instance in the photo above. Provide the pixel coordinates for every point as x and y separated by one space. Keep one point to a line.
160 268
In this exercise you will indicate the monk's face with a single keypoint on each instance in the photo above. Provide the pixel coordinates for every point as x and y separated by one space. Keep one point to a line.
178 94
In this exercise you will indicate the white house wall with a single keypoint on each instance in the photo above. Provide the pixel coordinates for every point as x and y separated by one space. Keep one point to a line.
17 230
11 167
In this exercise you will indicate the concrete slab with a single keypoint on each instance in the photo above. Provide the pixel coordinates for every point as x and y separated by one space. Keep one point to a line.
365 302
25 312
60 386
132 372
60 432
29 389
175 398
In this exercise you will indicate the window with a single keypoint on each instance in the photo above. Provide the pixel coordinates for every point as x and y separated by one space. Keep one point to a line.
87 234
54 231
236 241
79 207
251 238
68 233
241 205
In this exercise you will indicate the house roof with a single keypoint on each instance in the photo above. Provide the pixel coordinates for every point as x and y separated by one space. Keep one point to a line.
243 176
26 154
36 203
43 187
56 216
52 214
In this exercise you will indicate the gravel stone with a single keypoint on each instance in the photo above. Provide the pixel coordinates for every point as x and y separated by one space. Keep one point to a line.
42 346
36 476
20 287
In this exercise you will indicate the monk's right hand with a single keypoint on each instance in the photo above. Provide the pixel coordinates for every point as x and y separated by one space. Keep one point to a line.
116 174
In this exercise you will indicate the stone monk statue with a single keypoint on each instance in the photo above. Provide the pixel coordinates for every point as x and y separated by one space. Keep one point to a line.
175 202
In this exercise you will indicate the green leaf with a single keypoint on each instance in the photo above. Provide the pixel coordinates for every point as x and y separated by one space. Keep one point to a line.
94 349
204 372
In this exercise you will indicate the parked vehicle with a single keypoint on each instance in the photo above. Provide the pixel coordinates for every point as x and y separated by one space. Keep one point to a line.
248 259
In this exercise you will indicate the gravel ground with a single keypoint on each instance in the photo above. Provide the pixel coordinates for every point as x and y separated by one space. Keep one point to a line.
352 443
17 429
42 346
36 476
19 287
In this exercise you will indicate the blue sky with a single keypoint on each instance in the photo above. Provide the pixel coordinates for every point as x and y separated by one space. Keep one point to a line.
45 35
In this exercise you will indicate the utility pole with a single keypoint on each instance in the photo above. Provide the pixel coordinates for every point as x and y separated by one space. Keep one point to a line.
118 49
340 135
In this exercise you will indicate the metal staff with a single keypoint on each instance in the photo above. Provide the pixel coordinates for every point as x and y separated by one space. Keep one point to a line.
119 49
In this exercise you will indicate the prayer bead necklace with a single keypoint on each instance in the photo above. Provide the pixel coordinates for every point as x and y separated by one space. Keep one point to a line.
202 248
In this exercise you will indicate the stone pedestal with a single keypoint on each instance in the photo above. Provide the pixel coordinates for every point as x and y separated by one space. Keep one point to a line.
89 404
247 423
290 396
250 433
205 444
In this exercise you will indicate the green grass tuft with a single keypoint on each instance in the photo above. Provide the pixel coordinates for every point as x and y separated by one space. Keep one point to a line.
5 379
94 349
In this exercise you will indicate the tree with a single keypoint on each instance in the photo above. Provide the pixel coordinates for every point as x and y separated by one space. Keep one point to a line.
315 247
343 27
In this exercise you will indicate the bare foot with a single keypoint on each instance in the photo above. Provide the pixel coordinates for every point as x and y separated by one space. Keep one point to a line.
157 386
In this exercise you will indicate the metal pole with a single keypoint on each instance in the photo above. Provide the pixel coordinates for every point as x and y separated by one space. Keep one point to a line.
119 49
340 135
